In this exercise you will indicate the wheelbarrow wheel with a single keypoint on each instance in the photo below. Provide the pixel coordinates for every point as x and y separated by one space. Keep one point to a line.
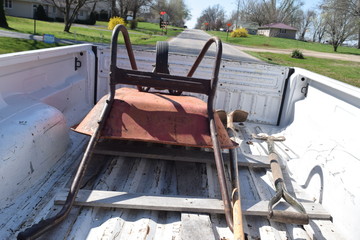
162 63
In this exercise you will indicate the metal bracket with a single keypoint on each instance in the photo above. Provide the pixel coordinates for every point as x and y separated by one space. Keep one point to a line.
77 63
304 90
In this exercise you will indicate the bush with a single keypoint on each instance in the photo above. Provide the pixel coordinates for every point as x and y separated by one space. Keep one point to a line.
133 24
140 19
92 18
115 21
239 32
40 13
297 54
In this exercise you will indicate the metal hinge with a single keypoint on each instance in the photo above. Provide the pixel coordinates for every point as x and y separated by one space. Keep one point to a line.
77 63
304 90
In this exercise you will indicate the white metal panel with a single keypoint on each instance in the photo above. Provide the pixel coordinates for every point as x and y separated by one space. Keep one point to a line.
323 132
241 85
41 96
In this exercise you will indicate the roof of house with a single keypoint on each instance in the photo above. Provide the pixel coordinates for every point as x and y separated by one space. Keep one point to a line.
278 25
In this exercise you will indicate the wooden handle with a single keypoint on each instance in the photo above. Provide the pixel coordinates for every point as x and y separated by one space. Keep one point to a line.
238 224
289 217
275 167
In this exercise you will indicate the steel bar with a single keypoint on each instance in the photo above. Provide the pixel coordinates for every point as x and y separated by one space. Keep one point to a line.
300 217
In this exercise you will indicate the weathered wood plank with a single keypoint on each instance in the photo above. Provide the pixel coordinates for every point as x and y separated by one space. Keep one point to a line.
196 226
117 148
112 199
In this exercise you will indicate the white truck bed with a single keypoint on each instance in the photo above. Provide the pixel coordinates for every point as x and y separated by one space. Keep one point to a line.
317 116
153 177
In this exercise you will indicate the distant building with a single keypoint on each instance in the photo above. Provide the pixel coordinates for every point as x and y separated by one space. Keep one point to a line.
277 30
25 9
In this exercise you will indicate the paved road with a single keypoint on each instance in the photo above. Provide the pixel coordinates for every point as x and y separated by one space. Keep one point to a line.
191 41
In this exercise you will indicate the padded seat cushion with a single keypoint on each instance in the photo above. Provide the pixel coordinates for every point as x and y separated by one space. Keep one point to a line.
156 117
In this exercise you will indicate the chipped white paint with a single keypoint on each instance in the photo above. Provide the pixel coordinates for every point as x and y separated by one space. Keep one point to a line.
41 95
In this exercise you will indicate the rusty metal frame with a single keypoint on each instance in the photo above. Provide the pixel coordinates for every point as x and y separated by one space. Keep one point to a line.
134 77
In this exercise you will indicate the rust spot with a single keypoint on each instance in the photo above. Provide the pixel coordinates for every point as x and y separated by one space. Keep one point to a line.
249 143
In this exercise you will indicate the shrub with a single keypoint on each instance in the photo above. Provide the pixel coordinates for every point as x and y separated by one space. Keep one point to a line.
140 19
297 54
133 24
41 14
115 21
239 32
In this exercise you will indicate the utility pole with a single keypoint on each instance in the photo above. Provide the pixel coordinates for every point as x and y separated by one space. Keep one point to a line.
237 14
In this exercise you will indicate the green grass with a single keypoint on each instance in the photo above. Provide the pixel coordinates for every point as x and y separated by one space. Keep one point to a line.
9 45
147 33
344 71
282 43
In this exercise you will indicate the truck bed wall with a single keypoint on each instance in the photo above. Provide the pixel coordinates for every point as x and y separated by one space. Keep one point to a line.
321 125
42 95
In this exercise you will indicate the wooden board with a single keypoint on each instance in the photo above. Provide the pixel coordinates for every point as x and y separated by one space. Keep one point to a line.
162 152
177 203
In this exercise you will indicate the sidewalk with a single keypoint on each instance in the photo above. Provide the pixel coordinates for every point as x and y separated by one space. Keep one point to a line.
4 33
307 53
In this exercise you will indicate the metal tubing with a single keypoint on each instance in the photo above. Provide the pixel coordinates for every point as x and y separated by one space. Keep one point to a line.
221 174
216 146
44 225
235 183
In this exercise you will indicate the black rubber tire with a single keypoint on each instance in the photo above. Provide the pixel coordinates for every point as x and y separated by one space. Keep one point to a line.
162 63
162 55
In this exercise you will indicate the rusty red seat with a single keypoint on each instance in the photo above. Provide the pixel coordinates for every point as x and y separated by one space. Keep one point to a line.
156 117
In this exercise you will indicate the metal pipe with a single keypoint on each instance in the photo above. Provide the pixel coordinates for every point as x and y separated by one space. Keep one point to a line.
41 227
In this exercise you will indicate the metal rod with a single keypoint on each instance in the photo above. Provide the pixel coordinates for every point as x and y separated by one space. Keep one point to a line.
40 228
299 217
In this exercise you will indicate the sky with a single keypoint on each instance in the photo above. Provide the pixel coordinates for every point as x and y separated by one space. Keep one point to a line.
197 6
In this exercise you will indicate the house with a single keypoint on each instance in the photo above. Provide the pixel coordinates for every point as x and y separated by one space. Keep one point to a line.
26 9
277 30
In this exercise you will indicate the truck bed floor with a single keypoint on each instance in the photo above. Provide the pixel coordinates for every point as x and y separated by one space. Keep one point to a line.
153 176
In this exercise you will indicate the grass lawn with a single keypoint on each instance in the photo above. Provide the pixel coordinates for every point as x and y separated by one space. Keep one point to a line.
9 45
147 33
282 43
344 71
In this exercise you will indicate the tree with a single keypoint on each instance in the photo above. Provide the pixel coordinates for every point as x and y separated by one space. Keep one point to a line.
177 11
319 27
136 5
3 22
306 20
70 9
340 23
213 16
263 12
351 6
